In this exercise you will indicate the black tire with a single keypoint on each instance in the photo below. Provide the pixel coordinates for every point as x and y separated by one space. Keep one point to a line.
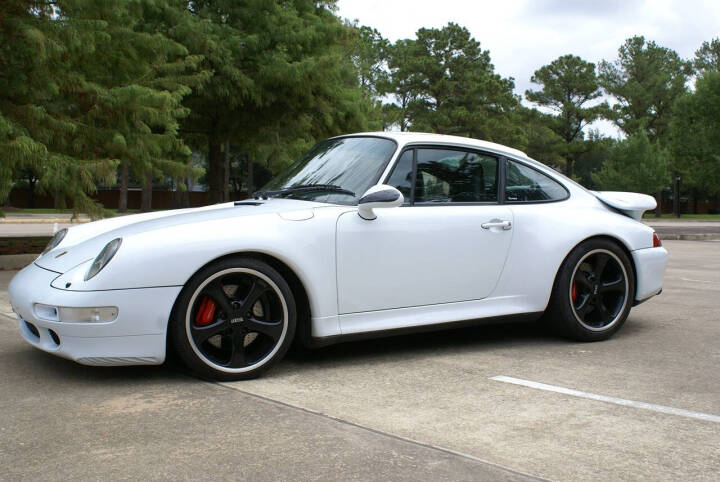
233 320
589 300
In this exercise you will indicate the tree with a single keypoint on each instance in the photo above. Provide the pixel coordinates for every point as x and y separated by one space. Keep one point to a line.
104 88
635 164
645 79
39 126
568 85
368 51
281 80
707 57
448 85
695 135
404 83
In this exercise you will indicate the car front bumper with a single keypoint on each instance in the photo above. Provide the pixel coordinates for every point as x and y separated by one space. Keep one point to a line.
136 337
650 266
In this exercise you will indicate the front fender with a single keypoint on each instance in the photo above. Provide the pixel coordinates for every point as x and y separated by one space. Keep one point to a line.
170 256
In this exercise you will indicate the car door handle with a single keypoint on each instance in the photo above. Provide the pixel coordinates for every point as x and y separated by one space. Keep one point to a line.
497 224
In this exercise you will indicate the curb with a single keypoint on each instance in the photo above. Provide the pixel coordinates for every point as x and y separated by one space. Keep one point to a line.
690 237
44 221
16 261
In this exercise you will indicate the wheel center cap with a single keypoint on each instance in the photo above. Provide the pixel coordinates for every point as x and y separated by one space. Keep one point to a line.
595 289
239 319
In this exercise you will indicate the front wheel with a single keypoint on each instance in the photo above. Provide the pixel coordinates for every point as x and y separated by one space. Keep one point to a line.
234 319
593 293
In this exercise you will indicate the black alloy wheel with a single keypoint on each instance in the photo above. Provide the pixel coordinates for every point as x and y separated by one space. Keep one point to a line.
234 319
593 292
599 289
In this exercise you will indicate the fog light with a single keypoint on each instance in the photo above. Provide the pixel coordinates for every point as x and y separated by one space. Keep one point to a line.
45 312
88 315
101 314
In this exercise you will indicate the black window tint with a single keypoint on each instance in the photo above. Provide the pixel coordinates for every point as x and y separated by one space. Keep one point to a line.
524 184
445 175
401 177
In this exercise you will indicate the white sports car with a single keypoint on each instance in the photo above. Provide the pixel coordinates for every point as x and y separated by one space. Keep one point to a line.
366 235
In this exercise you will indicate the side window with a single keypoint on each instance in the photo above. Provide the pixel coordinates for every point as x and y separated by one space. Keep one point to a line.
401 177
524 184
446 176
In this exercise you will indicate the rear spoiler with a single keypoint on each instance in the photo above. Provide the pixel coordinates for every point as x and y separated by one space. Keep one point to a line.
629 203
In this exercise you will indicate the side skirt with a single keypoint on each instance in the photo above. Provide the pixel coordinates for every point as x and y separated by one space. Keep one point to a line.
318 342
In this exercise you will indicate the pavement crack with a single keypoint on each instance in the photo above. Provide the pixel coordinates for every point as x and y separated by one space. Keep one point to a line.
380 433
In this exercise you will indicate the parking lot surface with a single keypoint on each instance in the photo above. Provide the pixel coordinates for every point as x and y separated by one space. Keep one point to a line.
643 405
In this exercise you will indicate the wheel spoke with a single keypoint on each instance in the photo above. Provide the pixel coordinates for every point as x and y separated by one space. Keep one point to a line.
605 314
581 279
214 290
617 285
257 289
272 329
201 334
600 264
584 308
237 358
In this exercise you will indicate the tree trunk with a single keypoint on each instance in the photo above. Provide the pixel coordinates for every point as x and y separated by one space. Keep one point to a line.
250 177
658 209
124 175
31 192
695 200
146 204
185 195
569 168
215 172
226 176
59 200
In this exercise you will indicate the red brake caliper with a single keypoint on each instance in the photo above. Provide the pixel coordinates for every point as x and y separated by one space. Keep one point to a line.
205 312
573 293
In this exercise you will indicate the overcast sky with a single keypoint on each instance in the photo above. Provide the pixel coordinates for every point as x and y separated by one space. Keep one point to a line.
523 35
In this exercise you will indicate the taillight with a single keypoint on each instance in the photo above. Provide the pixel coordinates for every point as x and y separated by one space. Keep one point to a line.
656 241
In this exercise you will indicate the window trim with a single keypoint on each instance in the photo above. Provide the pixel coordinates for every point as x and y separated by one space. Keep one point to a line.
414 147
544 201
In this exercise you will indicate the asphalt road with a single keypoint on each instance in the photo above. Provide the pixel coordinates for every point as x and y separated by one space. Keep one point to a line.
424 407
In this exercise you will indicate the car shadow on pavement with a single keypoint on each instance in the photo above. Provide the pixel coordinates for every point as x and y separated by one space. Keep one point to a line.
491 337
441 341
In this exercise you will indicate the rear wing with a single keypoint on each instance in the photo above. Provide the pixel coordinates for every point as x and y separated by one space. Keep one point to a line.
629 203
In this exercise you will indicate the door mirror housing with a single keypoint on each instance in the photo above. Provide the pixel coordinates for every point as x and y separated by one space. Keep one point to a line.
380 196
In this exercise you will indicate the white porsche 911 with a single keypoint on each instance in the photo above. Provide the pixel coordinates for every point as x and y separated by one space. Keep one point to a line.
366 235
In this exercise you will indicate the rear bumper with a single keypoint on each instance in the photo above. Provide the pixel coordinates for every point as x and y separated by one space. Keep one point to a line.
650 266
136 337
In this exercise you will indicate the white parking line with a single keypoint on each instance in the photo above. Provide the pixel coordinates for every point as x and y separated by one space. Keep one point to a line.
603 398
700 281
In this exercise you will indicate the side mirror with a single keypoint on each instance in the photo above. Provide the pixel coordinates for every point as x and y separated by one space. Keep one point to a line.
380 196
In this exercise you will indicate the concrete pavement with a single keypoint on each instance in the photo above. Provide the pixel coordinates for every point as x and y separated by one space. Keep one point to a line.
351 411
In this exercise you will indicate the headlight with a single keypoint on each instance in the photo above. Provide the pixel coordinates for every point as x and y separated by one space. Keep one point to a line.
103 258
57 239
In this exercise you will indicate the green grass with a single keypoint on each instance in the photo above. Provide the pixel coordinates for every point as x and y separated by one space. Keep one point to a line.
698 217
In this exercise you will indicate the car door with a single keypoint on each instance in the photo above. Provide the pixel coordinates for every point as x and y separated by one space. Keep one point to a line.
447 244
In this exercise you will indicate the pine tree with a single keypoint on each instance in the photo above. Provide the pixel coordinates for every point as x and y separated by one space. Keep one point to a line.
281 80
568 85
85 85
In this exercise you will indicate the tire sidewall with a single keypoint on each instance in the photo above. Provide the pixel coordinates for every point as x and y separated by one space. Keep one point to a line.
178 326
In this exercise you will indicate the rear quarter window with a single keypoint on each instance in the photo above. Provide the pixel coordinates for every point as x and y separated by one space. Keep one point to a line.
525 184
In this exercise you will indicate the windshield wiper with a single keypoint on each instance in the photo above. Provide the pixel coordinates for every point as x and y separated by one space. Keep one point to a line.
303 188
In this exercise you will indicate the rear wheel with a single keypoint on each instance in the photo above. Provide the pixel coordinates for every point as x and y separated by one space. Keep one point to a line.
593 292
234 319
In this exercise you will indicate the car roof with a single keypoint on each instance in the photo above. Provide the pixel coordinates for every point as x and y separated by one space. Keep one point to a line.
403 138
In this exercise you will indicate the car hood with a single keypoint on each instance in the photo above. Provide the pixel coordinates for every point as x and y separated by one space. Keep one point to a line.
85 241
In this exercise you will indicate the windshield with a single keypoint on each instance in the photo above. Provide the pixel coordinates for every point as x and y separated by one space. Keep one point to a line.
334 171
